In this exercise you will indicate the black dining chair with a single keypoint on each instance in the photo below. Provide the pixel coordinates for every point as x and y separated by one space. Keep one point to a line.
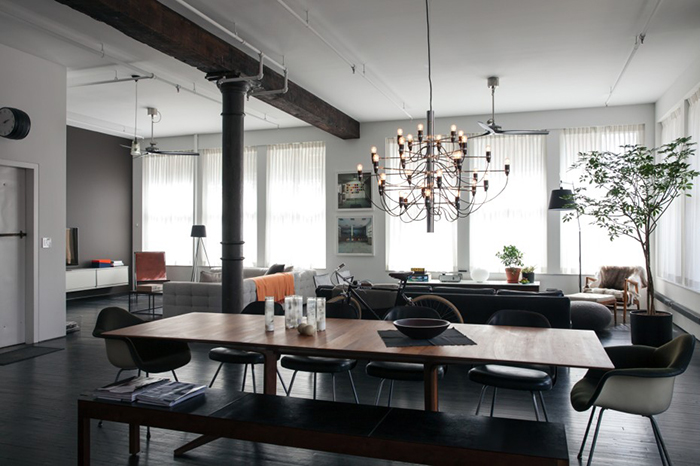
315 364
233 355
403 371
532 378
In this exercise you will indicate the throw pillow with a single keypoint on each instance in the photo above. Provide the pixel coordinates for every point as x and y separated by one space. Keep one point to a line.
210 276
614 277
275 268
289 268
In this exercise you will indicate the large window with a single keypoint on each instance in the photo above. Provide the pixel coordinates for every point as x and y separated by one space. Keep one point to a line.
691 239
168 206
597 248
669 250
296 205
212 204
519 215
409 245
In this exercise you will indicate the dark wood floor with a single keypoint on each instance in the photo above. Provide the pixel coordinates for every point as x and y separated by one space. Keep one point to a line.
38 409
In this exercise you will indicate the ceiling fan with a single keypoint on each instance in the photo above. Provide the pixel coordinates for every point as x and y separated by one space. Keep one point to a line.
491 127
152 149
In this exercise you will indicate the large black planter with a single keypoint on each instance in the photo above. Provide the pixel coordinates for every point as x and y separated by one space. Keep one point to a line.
649 330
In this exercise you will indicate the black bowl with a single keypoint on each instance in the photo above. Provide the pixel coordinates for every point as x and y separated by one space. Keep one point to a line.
421 328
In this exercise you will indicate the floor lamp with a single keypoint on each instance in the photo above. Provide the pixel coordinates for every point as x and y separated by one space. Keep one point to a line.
561 199
198 232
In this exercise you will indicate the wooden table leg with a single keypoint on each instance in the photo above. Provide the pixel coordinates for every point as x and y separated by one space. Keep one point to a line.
430 378
83 439
134 439
270 378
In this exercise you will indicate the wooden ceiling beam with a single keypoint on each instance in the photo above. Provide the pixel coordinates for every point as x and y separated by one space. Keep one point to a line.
161 28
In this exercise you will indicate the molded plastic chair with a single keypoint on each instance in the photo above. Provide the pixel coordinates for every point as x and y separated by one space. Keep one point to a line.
406 371
641 383
532 378
314 364
232 355
148 355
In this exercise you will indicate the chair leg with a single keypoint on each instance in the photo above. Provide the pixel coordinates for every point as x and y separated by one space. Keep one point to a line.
148 432
175 376
595 436
216 374
660 441
314 385
534 403
116 379
493 400
245 376
289 391
354 390
585 436
481 398
391 393
284 387
333 384
544 407
662 455
379 392
252 376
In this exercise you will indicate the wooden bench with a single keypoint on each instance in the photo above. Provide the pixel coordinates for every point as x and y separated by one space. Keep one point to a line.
363 430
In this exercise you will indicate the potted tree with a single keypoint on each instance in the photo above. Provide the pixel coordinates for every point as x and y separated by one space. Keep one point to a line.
638 190
512 258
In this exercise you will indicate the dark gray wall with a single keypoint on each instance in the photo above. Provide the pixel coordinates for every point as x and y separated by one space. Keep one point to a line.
98 195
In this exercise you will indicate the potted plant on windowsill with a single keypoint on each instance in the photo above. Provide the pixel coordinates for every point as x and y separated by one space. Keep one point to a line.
512 259
637 192
529 274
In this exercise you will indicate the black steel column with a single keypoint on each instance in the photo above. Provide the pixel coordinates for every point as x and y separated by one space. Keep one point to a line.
233 114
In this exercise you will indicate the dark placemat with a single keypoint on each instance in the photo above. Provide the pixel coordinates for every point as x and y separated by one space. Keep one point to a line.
450 337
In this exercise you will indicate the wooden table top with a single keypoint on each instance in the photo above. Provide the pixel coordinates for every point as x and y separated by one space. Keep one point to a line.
359 339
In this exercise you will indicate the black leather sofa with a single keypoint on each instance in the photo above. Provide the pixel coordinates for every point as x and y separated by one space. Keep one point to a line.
477 308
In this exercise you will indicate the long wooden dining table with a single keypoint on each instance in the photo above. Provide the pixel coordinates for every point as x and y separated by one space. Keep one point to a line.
359 339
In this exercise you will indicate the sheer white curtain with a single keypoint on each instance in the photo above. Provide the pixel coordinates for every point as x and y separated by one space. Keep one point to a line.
410 245
597 249
296 205
669 231
519 215
168 206
212 203
691 265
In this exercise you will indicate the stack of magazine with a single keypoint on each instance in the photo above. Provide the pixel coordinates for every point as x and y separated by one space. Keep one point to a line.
150 390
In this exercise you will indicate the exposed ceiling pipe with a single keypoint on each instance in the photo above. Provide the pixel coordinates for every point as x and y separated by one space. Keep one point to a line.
52 30
115 80
638 40
352 65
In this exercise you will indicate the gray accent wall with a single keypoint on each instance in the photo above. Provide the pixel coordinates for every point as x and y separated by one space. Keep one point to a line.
98 196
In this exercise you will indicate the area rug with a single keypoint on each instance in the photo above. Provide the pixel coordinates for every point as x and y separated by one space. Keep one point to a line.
22 354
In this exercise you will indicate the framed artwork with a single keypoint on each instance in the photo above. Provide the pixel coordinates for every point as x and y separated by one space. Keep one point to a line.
355 235
353 193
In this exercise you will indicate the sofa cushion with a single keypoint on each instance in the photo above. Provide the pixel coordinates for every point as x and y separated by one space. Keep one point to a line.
530 293
210 276
275 268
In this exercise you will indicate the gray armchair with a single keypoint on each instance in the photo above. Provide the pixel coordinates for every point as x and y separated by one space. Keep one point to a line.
641 383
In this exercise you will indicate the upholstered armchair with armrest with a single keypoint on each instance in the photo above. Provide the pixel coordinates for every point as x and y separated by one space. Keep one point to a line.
621 282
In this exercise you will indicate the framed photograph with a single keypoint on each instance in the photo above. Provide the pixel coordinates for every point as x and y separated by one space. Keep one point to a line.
355 236
353 193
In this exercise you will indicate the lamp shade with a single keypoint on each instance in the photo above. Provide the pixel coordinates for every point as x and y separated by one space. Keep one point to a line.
559 200
199 231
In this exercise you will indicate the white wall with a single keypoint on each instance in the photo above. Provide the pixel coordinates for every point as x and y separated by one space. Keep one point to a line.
39 88
343 156
684 87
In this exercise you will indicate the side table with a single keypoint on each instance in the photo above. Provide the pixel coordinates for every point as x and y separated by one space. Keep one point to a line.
604 299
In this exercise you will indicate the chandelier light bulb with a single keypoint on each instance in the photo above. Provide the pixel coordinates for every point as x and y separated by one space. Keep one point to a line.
409 138
420 127
373 150
399 132
359 167
375 158
453 128
401 140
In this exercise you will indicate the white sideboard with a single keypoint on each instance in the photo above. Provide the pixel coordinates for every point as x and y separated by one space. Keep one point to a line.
93 278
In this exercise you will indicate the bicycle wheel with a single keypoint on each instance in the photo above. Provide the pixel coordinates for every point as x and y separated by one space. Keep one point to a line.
353 302
446 309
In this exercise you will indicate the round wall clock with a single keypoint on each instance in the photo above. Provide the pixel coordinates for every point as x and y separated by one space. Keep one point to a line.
14 123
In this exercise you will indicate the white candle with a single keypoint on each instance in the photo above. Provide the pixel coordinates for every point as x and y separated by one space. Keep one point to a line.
321 314
269 314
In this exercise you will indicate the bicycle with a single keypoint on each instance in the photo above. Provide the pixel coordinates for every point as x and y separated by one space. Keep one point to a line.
350 296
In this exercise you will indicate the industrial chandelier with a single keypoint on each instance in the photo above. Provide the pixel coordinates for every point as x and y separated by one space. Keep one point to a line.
431 176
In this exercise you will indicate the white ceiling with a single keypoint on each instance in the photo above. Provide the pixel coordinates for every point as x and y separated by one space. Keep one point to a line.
549 54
